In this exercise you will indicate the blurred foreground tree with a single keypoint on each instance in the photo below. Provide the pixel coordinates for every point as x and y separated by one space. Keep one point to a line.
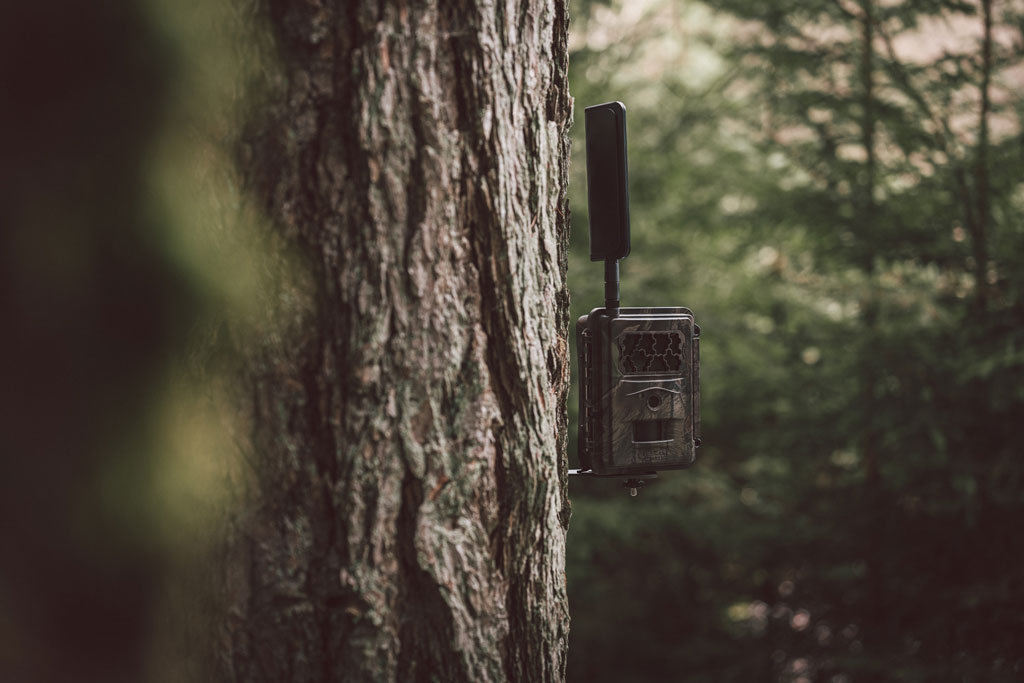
405 511
91 306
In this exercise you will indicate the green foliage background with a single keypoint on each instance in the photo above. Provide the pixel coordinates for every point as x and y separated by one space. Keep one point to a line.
827 187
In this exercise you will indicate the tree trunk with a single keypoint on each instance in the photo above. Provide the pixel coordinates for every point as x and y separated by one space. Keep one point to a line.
408 515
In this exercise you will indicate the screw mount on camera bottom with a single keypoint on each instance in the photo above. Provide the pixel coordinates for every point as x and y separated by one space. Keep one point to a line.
632 483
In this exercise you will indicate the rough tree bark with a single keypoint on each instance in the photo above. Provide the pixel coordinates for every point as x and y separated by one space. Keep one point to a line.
409 513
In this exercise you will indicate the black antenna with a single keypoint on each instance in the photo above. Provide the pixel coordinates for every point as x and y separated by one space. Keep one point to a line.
608 193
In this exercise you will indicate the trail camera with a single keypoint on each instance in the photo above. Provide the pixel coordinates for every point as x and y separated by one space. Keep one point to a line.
639 397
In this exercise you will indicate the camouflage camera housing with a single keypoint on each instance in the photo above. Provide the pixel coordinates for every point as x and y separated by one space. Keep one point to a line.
639 399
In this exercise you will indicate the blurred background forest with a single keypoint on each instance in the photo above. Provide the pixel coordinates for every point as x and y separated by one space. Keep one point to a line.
835 189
